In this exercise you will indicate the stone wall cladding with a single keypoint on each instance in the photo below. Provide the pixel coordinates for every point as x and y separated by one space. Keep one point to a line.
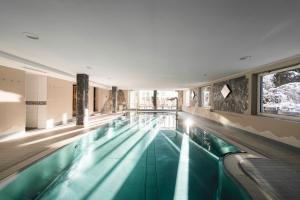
194 100
180 99
121 100
199 97
236 101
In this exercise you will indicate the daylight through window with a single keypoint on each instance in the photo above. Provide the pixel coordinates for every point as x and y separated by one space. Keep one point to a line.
280 92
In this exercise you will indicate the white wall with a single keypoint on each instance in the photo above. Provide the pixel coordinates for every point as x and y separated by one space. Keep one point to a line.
102 96
91 100
12 101
36 94
59 101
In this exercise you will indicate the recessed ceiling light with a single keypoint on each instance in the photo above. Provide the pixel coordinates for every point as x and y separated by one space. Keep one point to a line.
31 36
245 57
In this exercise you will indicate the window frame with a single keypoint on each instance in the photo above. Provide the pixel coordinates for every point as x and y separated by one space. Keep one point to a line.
130 99
259 93
165 106
187 102
209 97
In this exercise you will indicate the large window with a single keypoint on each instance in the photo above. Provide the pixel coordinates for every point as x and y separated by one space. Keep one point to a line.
145 99
280 92
187 98
205 93
163 101
141 99
133 103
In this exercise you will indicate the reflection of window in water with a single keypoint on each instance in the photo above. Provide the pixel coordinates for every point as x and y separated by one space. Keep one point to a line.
280 92
132 117
168 121
206 140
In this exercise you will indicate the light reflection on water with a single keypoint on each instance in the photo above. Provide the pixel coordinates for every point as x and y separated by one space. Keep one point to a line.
204 138
106 158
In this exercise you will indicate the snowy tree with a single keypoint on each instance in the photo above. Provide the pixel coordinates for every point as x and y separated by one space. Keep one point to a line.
281 92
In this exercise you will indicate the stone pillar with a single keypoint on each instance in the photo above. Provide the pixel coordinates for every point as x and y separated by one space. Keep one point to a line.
114 93
180 99
82 112
154 99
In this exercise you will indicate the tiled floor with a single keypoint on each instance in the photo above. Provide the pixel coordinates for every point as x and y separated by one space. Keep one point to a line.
17 153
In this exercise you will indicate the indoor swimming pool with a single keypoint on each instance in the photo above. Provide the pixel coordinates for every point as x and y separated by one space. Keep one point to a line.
138 156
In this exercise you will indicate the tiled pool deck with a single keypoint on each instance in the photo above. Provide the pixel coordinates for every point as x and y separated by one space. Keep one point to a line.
19 152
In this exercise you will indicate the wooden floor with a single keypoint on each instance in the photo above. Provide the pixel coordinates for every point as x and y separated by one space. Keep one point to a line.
20 151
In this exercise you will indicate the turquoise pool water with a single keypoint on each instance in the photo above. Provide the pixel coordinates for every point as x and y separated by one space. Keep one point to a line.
143 156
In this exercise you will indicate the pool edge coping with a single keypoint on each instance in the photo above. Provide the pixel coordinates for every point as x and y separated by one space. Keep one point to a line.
232 167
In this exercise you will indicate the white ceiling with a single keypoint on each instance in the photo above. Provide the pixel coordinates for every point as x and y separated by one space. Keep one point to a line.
151 43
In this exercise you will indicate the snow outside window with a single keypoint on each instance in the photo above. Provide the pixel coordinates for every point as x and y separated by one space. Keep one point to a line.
280 92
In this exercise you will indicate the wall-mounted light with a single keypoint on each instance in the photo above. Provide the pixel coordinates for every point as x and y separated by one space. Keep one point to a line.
225 91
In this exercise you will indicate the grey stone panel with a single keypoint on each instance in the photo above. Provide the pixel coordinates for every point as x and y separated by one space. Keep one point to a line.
154 99
194 97
82 97
236 101
114 97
